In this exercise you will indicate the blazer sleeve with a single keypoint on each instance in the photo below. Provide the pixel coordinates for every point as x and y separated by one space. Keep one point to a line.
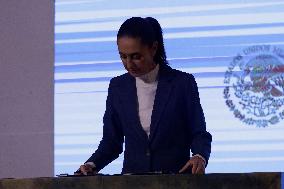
200 138
111 144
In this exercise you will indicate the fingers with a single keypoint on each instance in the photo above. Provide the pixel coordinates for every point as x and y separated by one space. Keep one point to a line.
194 167
198 168
84 170
197 164
186 166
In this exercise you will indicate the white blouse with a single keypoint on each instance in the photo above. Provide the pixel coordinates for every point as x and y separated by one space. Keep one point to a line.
146 90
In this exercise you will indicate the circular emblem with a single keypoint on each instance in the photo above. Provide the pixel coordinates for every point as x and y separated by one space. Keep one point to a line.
254 85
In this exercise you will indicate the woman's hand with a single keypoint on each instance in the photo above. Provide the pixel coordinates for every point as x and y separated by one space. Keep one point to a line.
85 169
196 164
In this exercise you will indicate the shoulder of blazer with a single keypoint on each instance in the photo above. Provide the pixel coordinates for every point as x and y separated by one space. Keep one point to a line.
122 80
168 73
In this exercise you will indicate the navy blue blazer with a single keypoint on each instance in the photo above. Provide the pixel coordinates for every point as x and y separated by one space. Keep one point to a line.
177 125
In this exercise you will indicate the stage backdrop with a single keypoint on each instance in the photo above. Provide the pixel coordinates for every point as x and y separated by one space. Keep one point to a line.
233 48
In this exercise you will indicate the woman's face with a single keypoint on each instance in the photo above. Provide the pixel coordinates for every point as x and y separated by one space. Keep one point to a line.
137 58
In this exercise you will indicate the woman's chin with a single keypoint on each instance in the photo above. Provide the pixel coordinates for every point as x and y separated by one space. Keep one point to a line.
134 74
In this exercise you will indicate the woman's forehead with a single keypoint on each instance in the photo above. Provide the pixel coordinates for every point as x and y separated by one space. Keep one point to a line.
129 39
130 43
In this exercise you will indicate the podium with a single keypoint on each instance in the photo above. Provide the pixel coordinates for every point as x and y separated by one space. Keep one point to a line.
164 181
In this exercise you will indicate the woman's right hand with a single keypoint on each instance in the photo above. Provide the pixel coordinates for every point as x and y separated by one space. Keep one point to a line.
85 169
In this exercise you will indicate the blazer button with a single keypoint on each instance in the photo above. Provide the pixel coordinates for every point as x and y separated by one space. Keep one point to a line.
148 153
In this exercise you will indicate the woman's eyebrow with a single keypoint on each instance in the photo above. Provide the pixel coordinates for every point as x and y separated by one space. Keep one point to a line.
131 54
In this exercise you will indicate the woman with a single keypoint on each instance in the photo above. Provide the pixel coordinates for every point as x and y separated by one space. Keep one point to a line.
153 108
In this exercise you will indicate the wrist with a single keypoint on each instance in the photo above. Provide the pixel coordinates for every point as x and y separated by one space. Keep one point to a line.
201 157
92 165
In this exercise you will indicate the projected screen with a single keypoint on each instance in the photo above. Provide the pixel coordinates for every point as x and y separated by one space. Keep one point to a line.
235 50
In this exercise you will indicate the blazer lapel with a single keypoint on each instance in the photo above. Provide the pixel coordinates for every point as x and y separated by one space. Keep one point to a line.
130 106
161 99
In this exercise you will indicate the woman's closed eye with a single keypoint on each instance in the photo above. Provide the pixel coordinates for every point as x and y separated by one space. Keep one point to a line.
123 56
136 57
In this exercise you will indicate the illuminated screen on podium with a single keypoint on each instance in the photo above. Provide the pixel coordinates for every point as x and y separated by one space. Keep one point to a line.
234 49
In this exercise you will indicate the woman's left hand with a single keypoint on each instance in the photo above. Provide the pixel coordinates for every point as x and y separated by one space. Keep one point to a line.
196 164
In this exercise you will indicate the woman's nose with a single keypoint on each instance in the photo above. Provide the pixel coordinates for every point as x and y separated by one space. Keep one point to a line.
129 62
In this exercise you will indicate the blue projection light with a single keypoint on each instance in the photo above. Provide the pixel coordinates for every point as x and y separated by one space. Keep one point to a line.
235 50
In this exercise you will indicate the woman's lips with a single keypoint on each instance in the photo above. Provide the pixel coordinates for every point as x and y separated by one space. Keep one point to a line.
132 70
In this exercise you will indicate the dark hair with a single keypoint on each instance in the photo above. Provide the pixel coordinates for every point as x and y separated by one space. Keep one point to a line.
148 30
